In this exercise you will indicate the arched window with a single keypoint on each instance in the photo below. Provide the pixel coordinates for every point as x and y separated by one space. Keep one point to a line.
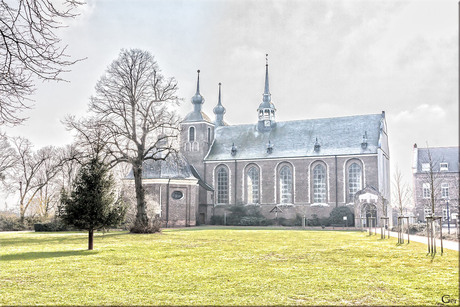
191 134
286 185
252 185
354 180
222 185
319 184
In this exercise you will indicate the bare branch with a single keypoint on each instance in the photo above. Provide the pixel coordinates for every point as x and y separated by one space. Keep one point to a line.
29 48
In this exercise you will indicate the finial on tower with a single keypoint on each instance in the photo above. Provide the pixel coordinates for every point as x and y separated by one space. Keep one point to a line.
266 110
198 82
198 99
219 110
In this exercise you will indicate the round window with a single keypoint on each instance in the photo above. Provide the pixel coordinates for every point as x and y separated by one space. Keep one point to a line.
177 195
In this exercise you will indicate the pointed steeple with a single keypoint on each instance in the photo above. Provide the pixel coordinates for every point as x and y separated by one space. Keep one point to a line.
266 110
267 96
219 110
197 100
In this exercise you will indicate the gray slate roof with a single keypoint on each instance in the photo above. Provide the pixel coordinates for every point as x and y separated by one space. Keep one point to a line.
336 136
196 117
439 155
172 168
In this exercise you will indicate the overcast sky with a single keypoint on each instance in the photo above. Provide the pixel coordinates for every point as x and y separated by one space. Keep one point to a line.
327 59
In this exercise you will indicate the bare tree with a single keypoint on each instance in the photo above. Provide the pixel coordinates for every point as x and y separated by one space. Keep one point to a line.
135 108
401 192
30 50
7 156
32 172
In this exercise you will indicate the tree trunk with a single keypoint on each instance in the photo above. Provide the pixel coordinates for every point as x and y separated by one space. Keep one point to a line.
141 215
22 213
90 239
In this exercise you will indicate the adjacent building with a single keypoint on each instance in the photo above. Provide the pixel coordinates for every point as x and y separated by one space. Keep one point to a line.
436 180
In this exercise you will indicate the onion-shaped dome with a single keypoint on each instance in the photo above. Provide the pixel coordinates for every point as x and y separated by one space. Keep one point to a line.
197 98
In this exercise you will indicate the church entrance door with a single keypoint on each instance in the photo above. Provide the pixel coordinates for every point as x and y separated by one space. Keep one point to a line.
370 212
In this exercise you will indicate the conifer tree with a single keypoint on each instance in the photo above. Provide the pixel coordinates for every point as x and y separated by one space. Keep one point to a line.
93 203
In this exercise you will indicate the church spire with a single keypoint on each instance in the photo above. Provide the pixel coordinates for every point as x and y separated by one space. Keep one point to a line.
266 110
219 110
267 96
197 100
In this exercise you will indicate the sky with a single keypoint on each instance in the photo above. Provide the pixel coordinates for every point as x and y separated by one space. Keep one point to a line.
327 58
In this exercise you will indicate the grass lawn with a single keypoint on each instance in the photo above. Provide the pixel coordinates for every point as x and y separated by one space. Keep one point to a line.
208 266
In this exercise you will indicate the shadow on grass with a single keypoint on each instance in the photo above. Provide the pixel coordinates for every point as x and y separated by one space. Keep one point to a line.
45 255
292 228
58 237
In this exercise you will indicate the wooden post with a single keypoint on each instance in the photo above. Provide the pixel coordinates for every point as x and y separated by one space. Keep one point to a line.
408 229
370 228
375 225
428 232
433 236
440 231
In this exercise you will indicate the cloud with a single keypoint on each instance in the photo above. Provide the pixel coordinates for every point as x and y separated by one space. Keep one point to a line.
422 112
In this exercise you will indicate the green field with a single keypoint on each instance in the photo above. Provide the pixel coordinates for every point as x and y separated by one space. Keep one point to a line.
211 266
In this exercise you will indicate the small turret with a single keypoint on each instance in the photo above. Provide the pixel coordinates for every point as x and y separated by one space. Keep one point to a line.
266 110
197 100
219 110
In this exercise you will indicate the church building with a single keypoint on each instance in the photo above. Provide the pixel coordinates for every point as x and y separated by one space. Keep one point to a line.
300 167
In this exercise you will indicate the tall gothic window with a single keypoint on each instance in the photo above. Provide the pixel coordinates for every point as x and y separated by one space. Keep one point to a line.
191 134
319 184
252 185
354 180
209 135
286 185
222 185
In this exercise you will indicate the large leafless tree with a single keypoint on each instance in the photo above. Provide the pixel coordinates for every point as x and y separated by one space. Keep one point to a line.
30 50
135 108
32 172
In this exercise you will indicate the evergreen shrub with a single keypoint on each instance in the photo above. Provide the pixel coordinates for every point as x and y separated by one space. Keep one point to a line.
337 214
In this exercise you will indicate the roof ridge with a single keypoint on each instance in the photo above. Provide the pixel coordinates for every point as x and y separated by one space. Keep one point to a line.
311 119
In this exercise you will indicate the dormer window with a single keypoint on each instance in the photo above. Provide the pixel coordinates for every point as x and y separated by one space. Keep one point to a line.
364 142
234 149
443 167
269 147
425 167
317 145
